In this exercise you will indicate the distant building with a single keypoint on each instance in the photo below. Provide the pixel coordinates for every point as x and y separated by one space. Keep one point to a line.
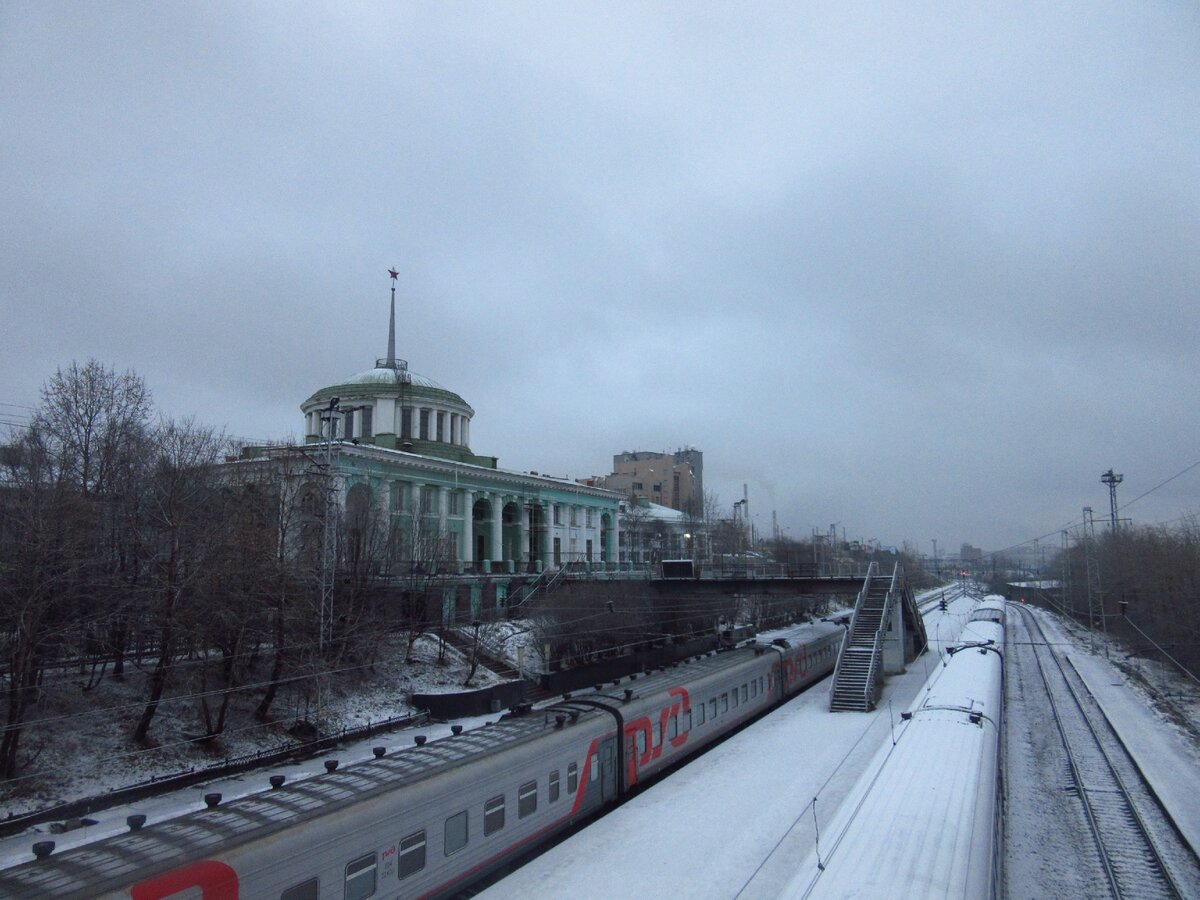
970 554
651 533
675 480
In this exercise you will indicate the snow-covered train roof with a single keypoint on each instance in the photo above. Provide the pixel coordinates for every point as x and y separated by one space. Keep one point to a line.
919 823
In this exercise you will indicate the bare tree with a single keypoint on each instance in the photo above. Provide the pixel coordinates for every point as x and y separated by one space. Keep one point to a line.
90 420
182 530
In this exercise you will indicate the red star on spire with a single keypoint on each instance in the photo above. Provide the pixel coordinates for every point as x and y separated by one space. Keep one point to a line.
394 274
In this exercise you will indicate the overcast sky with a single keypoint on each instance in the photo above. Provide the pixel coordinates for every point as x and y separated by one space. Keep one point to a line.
922 269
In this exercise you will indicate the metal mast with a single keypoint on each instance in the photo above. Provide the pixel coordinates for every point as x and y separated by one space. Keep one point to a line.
1112 479
1094 594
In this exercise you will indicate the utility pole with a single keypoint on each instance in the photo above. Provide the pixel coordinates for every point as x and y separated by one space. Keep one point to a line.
1095 597
1112 479
328 548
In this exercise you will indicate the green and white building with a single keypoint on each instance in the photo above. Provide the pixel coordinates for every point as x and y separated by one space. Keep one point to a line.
395 447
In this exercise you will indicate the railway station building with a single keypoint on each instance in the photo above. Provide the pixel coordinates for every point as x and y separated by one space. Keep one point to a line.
392 451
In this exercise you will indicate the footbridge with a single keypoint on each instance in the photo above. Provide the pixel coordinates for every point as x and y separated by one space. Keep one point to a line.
885 634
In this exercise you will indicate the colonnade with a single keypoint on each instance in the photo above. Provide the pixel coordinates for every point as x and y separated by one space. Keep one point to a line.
534 533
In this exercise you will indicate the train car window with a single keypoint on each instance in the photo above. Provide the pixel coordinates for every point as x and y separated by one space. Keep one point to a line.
641 741
493 815
554 785
753 688
744 695
700 713
673 727
360 878
456 832
658 734
712 708
412 854
735 700
572 778
309 890
687 721
724 703
527 799
761 687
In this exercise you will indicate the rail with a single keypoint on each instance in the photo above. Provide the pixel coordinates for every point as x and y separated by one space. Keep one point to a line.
1108 806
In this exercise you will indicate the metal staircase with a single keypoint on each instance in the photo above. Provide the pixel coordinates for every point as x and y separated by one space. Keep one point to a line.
859 671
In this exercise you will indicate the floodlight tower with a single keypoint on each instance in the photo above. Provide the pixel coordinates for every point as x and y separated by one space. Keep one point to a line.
1112 479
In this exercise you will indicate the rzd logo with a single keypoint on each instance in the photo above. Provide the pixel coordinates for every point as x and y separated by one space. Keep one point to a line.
640 753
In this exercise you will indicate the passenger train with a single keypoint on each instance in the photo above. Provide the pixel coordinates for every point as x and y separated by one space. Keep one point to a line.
924 819
431 820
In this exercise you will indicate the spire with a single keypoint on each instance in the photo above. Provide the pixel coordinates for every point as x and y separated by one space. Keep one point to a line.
391 353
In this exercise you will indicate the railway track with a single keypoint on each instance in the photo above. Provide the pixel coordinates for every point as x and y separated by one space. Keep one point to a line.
1138 844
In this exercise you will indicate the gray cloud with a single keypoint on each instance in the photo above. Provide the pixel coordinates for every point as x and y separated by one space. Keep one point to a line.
925 271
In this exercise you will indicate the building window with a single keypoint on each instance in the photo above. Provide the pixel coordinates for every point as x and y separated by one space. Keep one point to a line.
589 551
574 515
587 517
427 500
557 514
424 425
396 501
412 854
365 424
455 503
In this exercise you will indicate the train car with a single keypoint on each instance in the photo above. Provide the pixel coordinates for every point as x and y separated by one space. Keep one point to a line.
431 820
923 820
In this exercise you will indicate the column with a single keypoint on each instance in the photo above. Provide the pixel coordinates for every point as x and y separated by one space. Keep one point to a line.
414 423
468 541
497 528
547 546
523 554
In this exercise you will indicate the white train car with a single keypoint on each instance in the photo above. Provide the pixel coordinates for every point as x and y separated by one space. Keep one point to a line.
923 820
431 820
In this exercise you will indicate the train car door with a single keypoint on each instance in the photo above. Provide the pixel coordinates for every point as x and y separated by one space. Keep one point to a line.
607 756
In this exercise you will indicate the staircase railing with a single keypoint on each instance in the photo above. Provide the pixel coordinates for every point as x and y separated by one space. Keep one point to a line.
544 583
877 643
858 603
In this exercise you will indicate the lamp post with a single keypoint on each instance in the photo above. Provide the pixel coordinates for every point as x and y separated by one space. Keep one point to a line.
328 549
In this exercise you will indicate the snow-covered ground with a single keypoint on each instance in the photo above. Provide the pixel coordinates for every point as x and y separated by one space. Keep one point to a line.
81 741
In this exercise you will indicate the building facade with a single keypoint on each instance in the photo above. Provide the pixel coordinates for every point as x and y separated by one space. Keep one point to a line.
391 450
664 479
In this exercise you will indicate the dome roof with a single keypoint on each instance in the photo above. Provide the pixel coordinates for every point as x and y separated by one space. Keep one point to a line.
392 376
385 379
